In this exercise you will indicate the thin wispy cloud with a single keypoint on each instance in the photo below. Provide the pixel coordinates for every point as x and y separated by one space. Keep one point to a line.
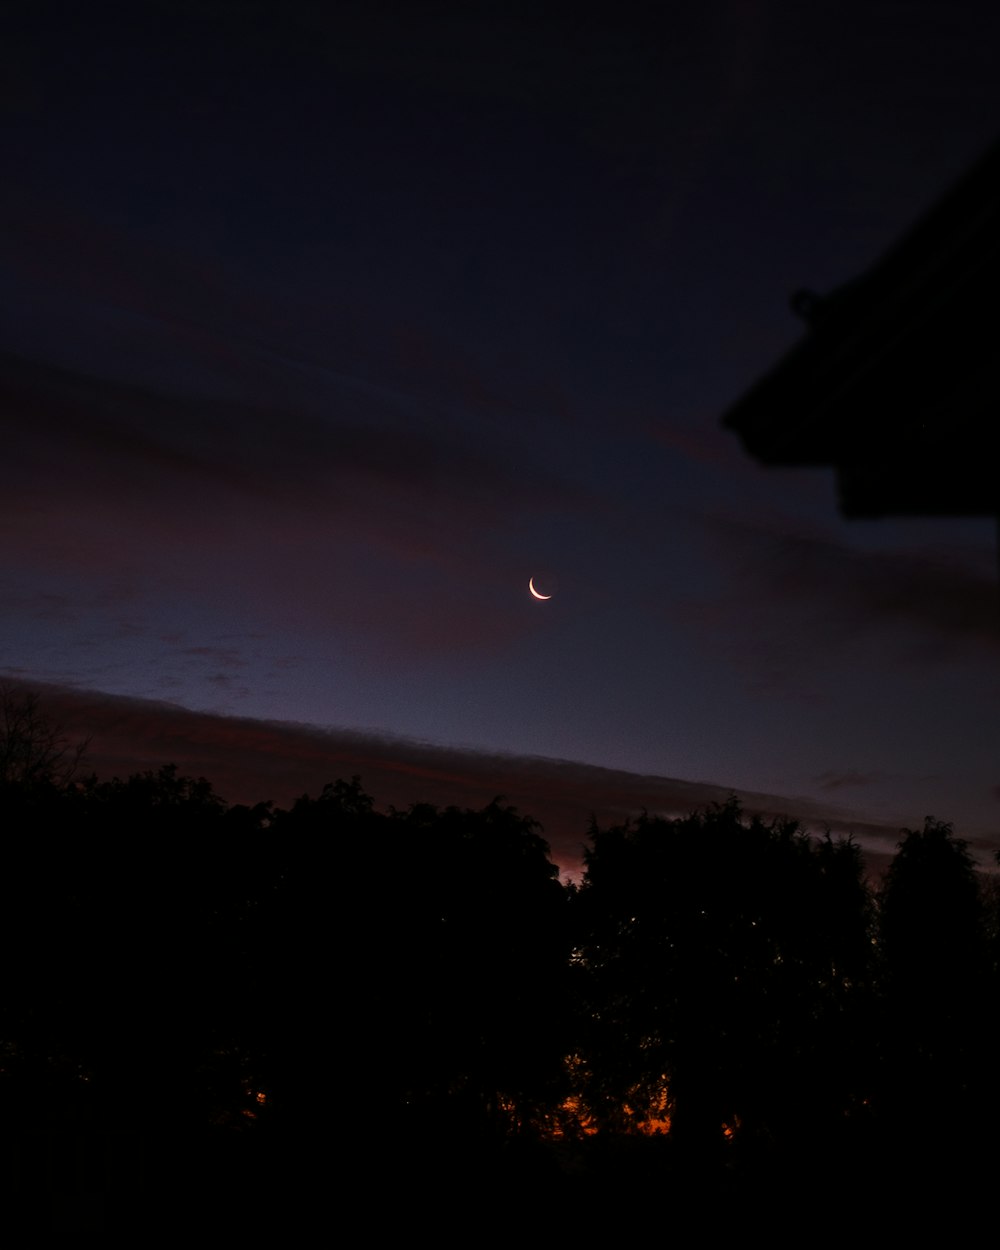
842 589
847 779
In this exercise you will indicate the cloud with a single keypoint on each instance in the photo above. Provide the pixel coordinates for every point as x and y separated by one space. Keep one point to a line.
942 592
355 520
252 760
142 452
225 657
847 778
794 597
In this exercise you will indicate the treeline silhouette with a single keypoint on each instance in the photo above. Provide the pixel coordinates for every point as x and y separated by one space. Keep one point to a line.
216 1000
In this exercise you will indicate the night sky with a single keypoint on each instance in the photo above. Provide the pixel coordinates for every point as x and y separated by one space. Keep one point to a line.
326 326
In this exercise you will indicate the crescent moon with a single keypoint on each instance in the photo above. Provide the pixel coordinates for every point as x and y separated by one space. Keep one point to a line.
531 587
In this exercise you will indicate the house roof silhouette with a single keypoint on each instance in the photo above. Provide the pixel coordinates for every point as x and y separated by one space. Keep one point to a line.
897 381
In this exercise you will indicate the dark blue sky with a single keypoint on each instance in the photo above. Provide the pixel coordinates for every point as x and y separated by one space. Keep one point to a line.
326 326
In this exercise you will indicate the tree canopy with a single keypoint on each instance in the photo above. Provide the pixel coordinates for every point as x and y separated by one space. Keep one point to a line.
730 983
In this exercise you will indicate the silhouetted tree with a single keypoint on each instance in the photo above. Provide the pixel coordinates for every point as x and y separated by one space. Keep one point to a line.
714 948
476 960
935 965
34 750
329 917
